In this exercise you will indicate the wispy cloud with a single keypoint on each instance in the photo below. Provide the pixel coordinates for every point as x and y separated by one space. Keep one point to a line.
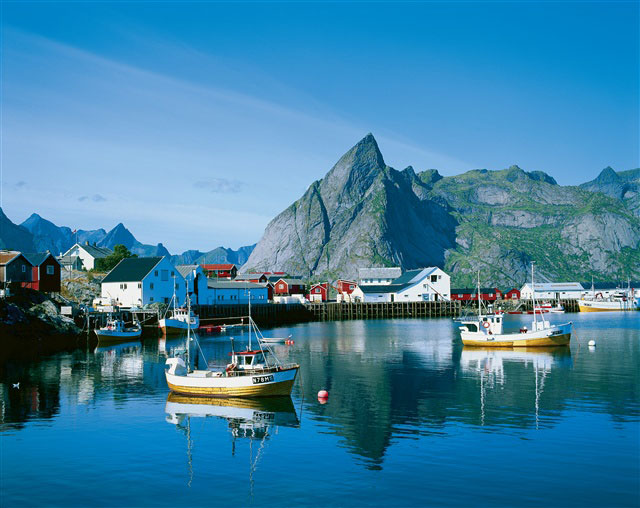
220 185
96 198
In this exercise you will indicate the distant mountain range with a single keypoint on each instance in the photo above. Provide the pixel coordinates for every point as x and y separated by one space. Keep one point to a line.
37 234
365 213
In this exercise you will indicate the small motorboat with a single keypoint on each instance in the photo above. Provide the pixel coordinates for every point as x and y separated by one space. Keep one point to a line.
275 340
116 329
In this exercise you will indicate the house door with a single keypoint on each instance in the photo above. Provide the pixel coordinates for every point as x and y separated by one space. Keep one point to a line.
392 298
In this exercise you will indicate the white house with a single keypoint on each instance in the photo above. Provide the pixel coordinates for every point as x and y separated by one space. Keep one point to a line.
88 254
141 281
196 281
236 293
552 291
378 276
425 284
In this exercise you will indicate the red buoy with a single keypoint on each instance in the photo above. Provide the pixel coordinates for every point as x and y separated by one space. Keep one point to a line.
323 394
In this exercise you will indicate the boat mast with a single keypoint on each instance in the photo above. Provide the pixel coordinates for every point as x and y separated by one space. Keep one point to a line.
533 296
188 327
479 298
250 322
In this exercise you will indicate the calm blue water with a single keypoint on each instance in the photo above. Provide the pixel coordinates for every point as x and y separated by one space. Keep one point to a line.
413 418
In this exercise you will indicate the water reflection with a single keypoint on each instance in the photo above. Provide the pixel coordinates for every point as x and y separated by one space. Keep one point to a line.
251 419
511 374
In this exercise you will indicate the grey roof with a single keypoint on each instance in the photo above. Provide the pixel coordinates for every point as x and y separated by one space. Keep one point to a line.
131 269
557 286
216 284
96 252
37 258
186 270
68 260
383 288
409 276
294 282
610 285
380 273
246 275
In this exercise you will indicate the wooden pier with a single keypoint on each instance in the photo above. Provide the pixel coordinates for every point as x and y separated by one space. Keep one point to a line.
383 310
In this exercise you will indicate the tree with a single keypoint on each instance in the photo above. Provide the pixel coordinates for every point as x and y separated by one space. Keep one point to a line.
107 264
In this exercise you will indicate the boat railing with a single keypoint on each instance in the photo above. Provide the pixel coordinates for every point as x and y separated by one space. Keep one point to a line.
261 370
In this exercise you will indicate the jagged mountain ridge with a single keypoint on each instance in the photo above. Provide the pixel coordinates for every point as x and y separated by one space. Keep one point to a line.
39 234
362 212
365 213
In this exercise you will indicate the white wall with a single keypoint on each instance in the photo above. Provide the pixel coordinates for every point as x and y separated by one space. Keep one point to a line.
157 286
526 294
427 289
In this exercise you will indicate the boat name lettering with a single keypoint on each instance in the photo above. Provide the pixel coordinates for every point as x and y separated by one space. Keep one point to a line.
262 379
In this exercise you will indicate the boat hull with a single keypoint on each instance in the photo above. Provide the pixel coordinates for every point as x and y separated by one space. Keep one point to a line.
175 326
112 335
603 306
270 384
556 340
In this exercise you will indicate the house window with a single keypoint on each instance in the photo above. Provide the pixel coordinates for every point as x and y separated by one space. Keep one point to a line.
50 270
164 275
177 286
172 274
490 294
121 286
460 296
151 286
125 286
351 287
280 286
24 269
139 285
151 299
434 278
155 273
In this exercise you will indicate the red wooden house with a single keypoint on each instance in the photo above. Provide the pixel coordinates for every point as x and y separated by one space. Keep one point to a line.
319 292
471 294
288 287
345 286
45 274
512 294
220 271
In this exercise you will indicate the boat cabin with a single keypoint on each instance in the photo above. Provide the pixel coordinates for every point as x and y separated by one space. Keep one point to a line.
182 314
249 360
490 325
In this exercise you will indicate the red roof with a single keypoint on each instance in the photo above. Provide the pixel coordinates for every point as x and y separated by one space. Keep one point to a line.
218 267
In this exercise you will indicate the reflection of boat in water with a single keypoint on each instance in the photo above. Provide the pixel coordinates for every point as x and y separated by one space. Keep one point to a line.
251 419
489 364
117 347
241 413
487 330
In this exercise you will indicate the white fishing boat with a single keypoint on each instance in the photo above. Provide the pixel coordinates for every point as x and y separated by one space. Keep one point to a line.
180 319
487 330
621 300
116 329
250 373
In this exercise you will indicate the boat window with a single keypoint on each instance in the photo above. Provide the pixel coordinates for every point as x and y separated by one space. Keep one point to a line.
248 359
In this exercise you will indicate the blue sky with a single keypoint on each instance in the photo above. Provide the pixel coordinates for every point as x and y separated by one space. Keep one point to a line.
194 124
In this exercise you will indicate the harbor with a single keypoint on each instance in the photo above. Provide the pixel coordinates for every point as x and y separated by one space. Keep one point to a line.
408 405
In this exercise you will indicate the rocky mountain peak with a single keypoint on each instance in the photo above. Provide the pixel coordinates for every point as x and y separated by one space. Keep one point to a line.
607 175
356 169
